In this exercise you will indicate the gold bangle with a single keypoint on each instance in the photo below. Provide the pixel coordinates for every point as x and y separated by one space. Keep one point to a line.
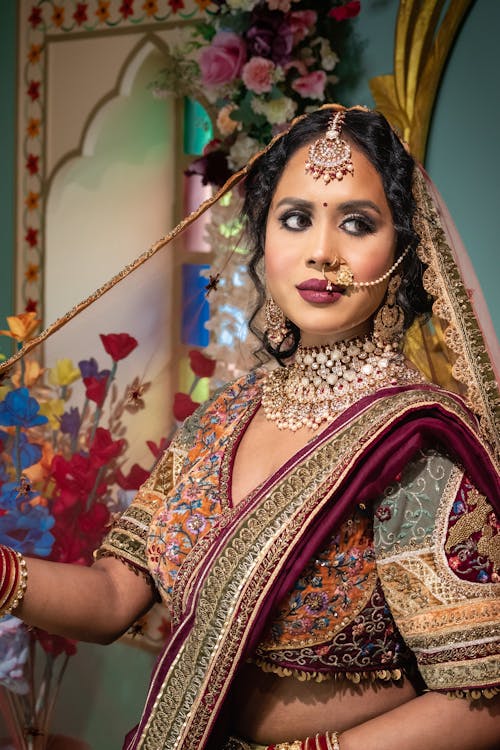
332 740
18 581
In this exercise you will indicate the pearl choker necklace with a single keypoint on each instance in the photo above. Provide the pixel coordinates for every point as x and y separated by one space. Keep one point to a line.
323 381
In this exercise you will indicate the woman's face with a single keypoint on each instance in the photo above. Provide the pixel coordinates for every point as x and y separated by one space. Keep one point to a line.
310 224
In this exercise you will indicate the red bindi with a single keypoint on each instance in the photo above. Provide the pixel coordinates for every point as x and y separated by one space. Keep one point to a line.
325 205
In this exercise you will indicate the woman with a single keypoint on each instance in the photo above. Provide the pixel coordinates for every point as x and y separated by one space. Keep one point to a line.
323 532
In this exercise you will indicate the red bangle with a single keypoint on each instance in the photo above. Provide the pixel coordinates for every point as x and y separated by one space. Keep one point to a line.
13 581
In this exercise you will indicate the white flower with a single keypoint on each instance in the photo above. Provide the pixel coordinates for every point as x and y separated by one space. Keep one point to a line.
240 152
242 4
276 111
329 58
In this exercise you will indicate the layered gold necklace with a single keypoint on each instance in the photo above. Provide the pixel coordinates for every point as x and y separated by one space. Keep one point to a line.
323 381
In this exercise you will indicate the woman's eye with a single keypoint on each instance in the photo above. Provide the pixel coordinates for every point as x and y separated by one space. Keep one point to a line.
295 220
358 225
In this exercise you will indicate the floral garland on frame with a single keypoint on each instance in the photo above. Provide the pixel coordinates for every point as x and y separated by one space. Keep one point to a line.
256 64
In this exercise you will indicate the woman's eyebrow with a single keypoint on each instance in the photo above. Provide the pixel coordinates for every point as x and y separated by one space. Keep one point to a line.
345 207
356 205
298 202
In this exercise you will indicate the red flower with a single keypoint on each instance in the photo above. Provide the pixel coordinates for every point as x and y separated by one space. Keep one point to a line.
80 14
31 305
95 389
94 520
104 448
32 163
126 8
118 345
34 90
55 644
133 480
184 406
158 450
31 237
35 17
349 10
75 478
202 366
176 5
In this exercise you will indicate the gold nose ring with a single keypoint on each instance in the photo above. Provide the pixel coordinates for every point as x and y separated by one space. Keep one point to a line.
329 285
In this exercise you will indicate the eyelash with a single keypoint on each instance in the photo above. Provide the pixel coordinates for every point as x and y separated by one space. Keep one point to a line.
294 215
365 224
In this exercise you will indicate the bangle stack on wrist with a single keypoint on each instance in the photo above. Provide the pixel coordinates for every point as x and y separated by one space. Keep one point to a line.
13 579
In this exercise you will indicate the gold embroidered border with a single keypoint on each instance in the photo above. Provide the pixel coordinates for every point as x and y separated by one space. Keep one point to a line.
253 556
465 614
463 336
461 675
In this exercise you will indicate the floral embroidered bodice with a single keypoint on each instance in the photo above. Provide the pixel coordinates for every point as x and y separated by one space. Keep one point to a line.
355 611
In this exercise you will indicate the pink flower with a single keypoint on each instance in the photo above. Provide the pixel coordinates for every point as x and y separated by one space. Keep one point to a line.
311 86
223 60
349 10
300 22
257 75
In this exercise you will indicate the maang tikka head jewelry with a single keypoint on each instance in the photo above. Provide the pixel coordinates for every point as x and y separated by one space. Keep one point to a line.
330 156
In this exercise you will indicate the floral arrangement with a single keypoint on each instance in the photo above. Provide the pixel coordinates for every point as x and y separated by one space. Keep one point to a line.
62 482
258 63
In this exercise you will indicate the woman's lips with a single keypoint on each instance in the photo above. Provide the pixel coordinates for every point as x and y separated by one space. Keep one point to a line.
314 290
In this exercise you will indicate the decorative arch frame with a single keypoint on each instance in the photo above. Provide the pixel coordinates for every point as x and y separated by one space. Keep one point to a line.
42 24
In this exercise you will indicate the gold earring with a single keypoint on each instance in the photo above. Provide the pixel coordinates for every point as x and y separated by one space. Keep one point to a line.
277 329
389 321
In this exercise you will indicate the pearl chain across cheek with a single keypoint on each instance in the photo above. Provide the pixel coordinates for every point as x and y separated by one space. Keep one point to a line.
386 275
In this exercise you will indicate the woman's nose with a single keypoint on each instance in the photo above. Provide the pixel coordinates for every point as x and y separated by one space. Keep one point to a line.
323 255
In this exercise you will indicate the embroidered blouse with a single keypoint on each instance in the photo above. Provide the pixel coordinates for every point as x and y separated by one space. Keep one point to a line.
415 577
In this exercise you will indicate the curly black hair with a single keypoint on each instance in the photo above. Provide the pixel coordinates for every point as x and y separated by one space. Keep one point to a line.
371 133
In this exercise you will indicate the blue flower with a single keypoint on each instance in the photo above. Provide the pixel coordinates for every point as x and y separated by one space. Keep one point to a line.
19 409
23 526
70 422
29 453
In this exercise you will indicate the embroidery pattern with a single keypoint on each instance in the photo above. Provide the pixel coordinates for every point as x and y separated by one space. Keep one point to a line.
242 571
443 587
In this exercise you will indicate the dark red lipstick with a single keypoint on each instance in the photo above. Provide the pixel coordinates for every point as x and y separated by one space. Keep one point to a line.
314 290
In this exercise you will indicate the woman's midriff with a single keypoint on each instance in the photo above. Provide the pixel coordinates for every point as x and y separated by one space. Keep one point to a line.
267 708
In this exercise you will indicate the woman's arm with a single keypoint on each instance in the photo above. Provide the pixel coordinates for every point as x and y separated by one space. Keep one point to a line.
430 722
95 604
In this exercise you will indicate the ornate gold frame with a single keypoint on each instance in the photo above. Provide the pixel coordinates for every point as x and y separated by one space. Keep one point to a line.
424 38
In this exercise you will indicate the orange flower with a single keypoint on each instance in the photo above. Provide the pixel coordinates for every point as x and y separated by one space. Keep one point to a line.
32 371
150 7
32 201
203 4
21 326
102 11
40 471
58 15
31 273
35 53
33 127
